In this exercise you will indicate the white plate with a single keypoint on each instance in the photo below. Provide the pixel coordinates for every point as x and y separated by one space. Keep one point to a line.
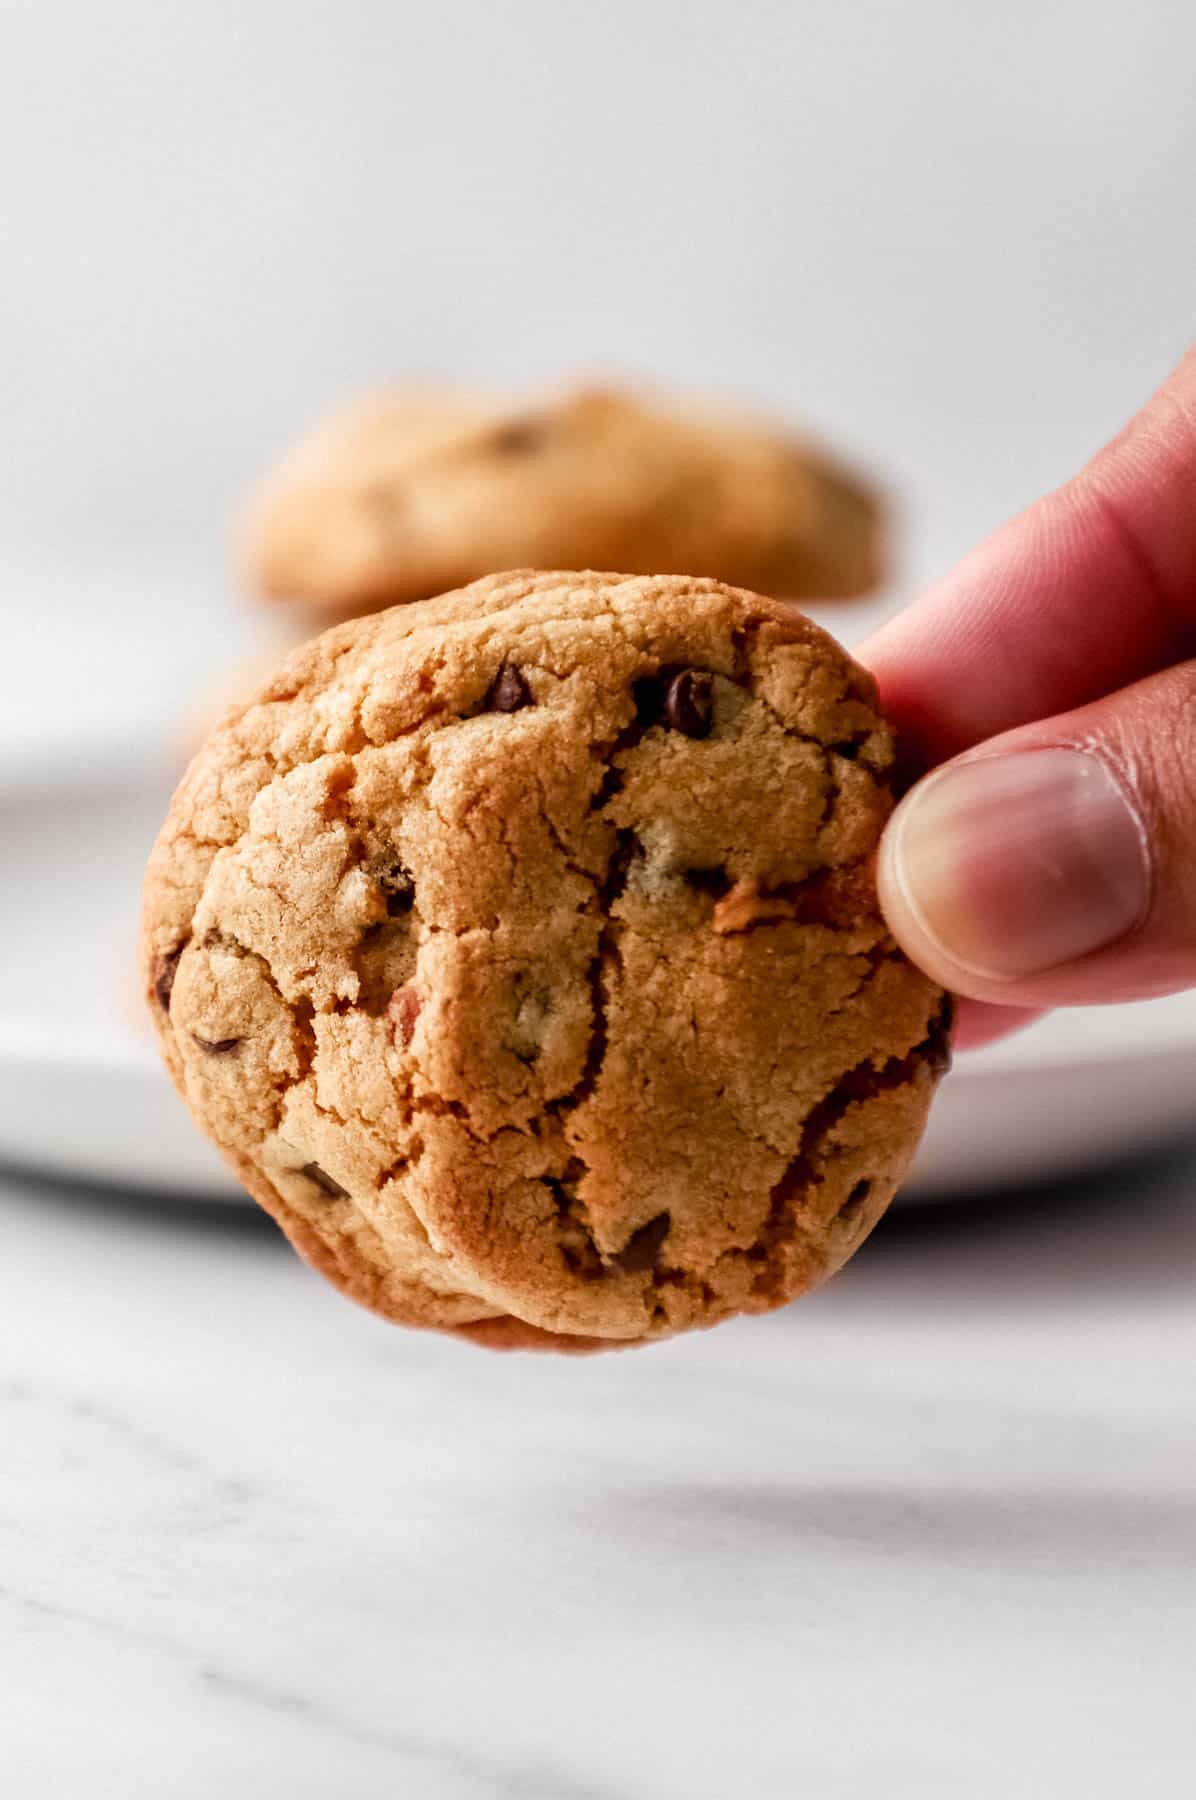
82 1092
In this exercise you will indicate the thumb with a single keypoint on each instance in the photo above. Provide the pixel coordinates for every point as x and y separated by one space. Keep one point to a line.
1055 865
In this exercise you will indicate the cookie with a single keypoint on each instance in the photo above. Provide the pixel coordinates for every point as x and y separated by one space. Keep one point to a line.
521 952
410 496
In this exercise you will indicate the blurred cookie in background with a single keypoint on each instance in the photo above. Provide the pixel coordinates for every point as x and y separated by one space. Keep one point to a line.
412 493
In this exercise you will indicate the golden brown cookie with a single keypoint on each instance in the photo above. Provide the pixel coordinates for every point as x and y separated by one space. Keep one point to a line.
520 950
409 496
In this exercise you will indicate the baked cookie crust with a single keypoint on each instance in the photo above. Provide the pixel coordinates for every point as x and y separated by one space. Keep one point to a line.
520 950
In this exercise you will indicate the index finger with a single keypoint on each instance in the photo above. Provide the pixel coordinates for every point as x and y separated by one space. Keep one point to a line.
1089 589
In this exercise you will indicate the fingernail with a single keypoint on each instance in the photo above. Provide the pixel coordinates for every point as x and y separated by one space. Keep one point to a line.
1016 864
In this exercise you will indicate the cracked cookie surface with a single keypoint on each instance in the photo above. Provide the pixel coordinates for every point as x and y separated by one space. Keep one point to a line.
409 496
520 949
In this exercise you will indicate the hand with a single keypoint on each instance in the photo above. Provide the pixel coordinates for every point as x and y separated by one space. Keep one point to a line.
1050 857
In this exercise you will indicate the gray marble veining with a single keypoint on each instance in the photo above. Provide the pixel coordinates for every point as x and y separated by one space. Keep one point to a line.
930 1532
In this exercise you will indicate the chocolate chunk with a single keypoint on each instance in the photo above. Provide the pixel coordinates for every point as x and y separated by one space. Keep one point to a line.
404 1010
324 1181
639 1252
687 704
648 693
715 882
518 437
509 691
398 887
165 970
217 1046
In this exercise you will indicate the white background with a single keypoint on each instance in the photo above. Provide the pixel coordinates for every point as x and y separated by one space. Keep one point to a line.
956 238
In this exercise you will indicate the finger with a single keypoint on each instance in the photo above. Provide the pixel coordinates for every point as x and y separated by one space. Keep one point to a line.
1056 864
1089 590
977 1023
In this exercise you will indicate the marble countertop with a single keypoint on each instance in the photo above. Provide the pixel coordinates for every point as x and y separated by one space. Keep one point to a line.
930 1532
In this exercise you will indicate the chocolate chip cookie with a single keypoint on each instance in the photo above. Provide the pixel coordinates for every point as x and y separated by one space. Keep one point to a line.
521 952
409 496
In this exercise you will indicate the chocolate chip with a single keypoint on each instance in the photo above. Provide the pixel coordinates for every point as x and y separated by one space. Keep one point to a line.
715 882
398 886
165 970
509 691
687 704
639 1252
323 1180
404 1010
648 693
217 1046
518 437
